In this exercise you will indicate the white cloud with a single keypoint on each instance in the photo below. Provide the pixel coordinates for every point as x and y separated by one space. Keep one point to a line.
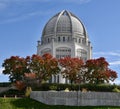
117 81
114 53
80 1
75 1
112 57
14 17
3 5
1 69
115 63
14 14
111 53
41 0
65 1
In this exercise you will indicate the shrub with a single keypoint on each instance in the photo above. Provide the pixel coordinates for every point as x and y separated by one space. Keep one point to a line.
66 90
5 84
53 87
12 93
116 90
28 91
89 87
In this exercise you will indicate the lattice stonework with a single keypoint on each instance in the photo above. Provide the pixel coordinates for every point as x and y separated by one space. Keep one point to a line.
63 52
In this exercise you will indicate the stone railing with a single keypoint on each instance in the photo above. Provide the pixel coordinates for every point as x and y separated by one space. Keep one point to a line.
77 98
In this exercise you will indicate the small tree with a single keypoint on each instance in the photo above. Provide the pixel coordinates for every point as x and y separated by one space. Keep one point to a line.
28 91
98 71
44 67
15 67
29 70
72 67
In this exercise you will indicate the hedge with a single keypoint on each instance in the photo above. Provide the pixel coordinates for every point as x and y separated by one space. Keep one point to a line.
5 84
76 87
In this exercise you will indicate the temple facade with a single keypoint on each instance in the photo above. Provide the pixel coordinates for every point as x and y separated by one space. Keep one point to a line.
65 35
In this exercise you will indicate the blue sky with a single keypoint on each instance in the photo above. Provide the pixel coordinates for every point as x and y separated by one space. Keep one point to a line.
22 22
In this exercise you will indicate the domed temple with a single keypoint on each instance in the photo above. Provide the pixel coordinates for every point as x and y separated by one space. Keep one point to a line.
65 35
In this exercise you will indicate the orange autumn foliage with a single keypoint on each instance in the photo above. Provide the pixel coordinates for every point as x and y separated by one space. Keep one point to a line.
98 71
72 67
20 85
30 75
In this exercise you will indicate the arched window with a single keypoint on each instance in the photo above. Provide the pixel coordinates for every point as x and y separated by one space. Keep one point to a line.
58 39
63 39
48 40
81 53
54 78
58 79
47 50
68 38
63 52
79 40
83 41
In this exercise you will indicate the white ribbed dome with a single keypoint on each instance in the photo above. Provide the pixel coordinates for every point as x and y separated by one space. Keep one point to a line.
64 23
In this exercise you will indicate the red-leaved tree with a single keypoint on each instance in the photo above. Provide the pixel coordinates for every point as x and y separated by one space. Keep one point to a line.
15 67
44 66
71 68
30 70
98 71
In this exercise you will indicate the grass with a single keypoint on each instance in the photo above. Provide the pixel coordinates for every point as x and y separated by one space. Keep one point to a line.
27 103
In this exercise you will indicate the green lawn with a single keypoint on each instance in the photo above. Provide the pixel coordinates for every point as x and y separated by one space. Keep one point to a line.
26 103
